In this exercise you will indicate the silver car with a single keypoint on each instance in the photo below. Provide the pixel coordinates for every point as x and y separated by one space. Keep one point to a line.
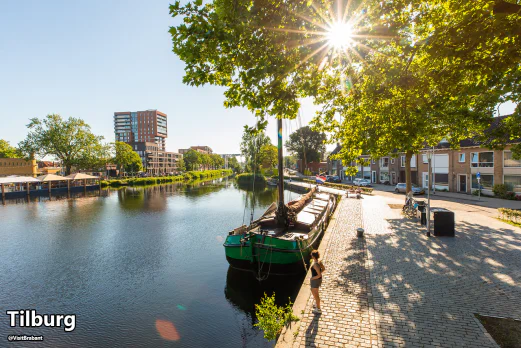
416 190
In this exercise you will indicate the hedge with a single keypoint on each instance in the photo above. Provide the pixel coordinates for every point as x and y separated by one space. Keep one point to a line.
193 175
510 215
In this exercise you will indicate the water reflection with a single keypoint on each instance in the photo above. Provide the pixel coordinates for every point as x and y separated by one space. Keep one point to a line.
140 266
243 290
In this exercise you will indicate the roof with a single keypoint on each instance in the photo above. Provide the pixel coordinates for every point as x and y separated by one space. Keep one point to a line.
52 177
17 179
81 176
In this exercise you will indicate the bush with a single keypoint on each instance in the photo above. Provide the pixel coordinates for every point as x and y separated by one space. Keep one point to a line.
272 318
500 190
510 215
247 178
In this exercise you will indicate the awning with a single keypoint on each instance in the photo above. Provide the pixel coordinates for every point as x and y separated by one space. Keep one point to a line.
51 177
81 176
17 179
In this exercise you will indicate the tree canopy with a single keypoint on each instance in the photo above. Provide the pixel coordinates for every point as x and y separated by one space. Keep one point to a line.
126 158
192 160
404 75
8 151
268 156
70 141
250 148
307 144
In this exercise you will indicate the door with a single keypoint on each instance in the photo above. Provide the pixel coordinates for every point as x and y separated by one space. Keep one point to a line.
393 178
425 177
462 183
374 176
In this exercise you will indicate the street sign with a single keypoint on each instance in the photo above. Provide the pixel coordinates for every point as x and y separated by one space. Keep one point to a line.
478 175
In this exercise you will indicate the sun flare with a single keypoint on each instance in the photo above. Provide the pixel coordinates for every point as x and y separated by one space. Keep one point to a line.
339 35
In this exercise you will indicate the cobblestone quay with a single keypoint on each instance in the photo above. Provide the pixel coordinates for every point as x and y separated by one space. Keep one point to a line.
398 288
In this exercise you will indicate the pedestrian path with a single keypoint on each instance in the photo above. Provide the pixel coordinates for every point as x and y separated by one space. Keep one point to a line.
398 288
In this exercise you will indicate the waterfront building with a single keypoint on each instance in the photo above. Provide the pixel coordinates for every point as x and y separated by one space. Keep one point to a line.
146 131
207 150
18 166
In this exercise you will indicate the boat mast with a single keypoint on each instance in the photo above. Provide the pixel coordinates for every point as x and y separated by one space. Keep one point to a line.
280 203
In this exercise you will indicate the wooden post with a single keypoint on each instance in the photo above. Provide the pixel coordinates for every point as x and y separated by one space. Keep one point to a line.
85 187
68 189
99 187
3 193
28 189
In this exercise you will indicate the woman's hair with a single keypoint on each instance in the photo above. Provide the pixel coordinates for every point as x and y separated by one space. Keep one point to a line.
315 254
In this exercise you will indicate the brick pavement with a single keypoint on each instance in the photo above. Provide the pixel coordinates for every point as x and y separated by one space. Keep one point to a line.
398 288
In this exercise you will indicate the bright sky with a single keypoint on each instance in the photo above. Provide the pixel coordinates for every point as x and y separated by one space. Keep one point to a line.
88 59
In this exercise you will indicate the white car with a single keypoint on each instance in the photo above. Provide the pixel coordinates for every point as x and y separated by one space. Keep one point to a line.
362 182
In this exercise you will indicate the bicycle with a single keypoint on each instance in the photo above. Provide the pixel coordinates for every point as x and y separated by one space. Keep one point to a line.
410 207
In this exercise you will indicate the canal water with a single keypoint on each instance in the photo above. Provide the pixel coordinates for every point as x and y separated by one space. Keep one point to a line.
141 267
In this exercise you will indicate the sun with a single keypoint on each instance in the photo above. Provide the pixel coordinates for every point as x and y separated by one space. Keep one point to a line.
339 35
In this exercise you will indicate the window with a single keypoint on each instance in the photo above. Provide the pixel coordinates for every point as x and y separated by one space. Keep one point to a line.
424 158
392 160
384 162
373 161
513 183
482 159
384 176
461 158
487 181
509 161
402 161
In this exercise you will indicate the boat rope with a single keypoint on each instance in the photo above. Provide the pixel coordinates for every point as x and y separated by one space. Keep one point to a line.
302 255
259 275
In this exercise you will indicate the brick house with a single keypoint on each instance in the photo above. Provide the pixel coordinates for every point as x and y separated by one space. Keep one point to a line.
453 170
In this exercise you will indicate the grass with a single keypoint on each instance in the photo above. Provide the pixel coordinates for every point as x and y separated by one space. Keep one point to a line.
506 332
510 223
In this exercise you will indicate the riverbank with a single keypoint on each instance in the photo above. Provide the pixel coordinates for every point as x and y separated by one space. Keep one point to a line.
192 175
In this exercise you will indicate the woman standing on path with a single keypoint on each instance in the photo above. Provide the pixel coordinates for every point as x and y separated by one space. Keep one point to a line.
316 278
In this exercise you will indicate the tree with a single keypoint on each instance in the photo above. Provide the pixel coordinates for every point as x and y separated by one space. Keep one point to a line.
217 161
234 165
181 165
70 141
410 73
268 156
308 145
290 161
192 160
250 146
126 158
8 151
205 160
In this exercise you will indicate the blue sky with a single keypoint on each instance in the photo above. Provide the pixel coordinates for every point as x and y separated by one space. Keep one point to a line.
88 59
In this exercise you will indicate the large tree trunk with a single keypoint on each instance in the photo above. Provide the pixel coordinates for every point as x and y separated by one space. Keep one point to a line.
408 185
68 170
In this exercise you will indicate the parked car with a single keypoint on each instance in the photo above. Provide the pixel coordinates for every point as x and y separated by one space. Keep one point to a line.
362 182
333 178
416 190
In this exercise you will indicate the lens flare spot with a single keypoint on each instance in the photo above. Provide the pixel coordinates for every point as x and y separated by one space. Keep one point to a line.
167 330
181 308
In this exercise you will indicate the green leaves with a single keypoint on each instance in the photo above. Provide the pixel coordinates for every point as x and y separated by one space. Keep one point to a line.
8 151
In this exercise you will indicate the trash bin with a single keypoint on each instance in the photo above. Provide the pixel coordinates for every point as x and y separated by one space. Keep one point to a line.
422 212
443 222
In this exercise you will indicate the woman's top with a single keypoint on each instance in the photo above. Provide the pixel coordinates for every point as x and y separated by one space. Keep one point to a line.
314 271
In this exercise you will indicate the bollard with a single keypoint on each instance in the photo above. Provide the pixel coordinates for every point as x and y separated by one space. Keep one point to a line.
359 232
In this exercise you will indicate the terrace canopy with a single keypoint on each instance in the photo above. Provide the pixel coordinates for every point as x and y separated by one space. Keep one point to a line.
17 179
81 176
52 177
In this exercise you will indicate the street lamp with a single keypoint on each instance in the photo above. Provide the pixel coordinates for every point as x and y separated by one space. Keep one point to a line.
429 174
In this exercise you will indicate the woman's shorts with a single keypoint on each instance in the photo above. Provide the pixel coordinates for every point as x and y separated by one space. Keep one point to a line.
315 283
